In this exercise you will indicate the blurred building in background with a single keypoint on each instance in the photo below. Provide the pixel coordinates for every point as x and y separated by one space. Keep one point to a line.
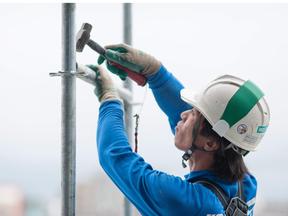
99 196
96 196
11 201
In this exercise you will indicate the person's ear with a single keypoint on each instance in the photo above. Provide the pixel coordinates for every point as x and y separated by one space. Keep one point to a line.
211 145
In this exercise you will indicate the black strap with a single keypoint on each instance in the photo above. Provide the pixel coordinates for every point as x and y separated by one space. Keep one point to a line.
234 206
240 192
218 191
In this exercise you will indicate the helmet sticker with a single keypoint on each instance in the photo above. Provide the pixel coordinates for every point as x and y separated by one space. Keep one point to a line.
243 100
262 129
242 128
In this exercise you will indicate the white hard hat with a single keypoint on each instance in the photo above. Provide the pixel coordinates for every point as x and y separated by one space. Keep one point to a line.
236 109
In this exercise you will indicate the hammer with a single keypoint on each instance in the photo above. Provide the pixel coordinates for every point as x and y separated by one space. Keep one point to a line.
83 38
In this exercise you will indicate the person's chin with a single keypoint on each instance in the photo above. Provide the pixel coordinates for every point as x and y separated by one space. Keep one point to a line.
180 147
177 146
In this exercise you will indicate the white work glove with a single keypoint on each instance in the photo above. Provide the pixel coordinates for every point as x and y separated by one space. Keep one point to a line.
105 88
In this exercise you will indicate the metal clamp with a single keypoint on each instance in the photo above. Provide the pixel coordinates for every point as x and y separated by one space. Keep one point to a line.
66 73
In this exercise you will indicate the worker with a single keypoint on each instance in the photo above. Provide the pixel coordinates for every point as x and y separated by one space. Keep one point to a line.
215 128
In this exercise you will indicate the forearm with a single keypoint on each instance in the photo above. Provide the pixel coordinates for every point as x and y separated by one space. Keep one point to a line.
110 129
166 90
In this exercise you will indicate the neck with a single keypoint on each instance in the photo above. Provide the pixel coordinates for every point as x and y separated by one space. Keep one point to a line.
201 161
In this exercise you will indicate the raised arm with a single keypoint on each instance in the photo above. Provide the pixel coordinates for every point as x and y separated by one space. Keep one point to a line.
151 191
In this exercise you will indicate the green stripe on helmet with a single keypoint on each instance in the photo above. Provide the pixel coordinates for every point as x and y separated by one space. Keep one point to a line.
242 102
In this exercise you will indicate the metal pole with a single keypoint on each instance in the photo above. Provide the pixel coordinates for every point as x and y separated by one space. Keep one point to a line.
68 110
127 36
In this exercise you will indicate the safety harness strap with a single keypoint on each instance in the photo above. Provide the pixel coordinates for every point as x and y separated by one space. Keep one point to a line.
240 192
218 191
233 207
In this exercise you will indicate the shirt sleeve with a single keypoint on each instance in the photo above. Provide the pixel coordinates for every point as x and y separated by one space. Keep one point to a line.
151 191
166 90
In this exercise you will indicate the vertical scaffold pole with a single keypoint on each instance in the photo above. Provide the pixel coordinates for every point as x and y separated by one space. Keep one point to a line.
68 110
127 36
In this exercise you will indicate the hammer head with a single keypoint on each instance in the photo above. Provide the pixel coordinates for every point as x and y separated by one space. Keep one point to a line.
83 36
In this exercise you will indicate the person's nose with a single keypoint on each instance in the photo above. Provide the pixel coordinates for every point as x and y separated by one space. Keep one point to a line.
184 115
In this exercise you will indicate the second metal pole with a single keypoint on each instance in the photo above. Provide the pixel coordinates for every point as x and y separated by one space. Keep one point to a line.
127 36
68 110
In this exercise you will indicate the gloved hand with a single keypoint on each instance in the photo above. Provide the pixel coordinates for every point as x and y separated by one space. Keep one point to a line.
105 88
130 58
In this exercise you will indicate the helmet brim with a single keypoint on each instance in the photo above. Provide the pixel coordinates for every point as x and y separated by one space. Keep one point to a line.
193 98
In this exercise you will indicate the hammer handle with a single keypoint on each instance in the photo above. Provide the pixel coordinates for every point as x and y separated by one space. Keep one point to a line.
96 47
138 78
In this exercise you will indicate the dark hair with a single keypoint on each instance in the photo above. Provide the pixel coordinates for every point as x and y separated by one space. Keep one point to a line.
228 164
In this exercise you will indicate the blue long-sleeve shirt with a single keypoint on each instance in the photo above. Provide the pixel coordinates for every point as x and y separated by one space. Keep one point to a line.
154 192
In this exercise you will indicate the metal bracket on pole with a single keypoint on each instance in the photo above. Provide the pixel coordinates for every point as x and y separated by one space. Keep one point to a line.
63 73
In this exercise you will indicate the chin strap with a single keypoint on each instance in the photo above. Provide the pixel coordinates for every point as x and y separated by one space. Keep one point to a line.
187 155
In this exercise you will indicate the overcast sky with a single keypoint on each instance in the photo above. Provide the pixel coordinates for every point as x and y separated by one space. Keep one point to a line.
196 42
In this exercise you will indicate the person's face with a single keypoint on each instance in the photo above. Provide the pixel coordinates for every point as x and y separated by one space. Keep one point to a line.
183 130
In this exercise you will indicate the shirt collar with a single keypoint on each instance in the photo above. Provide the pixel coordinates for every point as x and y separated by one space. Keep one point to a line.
194 175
